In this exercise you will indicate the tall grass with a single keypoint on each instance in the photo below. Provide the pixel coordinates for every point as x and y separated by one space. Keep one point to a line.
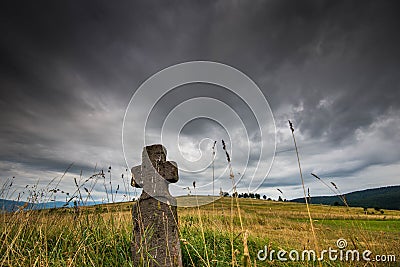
60 238
304 190
228 232
246 257
101 235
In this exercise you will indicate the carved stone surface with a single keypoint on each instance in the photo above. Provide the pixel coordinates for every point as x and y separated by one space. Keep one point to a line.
155 221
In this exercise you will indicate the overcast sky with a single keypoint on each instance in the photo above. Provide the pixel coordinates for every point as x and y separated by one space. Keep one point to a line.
68 70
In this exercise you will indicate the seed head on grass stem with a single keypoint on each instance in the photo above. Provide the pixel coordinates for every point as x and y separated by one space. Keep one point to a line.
334 185
337 192
228 158
213 147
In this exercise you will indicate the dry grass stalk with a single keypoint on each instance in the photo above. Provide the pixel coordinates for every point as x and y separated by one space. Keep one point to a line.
304 191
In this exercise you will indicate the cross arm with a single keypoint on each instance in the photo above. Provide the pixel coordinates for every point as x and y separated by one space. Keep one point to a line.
137 177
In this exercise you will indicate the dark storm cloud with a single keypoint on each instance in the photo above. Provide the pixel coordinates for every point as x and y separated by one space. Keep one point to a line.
68 69
305 52
190 91
352 64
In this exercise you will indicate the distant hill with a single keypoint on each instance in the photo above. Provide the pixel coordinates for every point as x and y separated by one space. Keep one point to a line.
383 198
11 205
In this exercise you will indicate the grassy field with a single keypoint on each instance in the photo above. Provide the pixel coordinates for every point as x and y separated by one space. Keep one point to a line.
100 235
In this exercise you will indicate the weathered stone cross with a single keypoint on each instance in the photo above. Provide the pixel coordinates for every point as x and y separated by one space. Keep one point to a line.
155 221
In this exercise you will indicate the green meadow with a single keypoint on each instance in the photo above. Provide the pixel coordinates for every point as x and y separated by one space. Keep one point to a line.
216 234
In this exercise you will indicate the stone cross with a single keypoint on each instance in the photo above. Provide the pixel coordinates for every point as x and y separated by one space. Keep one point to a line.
155 220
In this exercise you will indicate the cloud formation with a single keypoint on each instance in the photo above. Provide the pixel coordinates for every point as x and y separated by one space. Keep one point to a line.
68 70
